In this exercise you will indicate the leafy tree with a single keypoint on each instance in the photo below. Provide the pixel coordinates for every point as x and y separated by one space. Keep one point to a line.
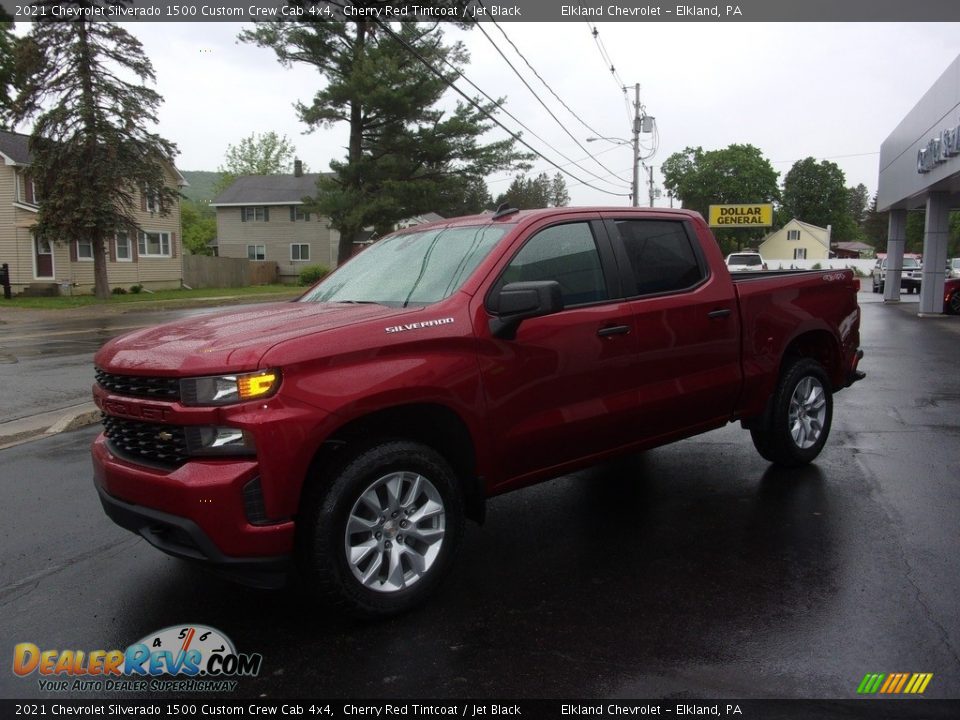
257 154
199 227
736 174
525 193
559 197
8 42
816 193
470 199
858 199
92 153
875 226
404 156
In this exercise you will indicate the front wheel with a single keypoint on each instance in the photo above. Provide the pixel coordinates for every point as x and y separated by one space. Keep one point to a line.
800 416
378 531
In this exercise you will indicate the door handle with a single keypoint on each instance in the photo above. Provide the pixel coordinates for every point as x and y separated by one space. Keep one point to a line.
714 314
613 330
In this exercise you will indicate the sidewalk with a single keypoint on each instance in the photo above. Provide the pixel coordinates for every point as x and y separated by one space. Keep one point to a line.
44 424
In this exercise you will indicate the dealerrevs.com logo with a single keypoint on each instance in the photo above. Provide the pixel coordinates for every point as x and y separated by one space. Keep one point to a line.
180 658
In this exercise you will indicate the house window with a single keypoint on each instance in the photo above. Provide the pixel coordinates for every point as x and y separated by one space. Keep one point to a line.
297 213
124 249
153 204
154 244
256 252
254 214
793 234
800 254
299 251
28 191
84 250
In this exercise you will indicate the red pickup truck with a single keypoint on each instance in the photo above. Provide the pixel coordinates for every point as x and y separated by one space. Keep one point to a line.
350 433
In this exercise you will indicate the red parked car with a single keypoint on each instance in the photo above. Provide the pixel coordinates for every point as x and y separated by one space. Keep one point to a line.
951 296
351 432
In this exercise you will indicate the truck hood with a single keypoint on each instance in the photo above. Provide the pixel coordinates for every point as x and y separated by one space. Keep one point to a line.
232 341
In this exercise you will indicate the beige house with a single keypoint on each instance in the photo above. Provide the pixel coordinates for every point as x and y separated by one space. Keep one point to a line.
797 241
152 259
262 217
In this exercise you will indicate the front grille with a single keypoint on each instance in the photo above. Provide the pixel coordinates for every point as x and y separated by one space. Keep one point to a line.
165 445
164 388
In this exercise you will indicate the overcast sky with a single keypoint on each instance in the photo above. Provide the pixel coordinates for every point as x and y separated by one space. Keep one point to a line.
832 91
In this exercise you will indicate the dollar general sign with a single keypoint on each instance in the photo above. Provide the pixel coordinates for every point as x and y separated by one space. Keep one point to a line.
741 215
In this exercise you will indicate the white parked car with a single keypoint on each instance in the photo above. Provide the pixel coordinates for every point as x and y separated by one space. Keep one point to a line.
953 268
744 261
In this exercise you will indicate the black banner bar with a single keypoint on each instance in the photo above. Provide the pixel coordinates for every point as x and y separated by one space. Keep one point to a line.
893 708
492 10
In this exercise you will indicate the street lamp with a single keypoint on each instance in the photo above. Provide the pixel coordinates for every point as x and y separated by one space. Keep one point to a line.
635 187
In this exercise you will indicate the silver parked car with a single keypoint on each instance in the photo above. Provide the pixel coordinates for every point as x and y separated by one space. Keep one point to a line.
909 278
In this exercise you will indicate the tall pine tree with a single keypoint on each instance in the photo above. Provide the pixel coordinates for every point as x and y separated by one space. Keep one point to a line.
92 153
404 157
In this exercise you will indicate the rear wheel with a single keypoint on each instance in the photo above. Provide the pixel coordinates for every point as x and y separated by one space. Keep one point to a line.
380 529
800 417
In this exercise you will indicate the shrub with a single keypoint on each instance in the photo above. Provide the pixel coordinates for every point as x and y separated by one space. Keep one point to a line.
817 266
119 291
312 273
135 289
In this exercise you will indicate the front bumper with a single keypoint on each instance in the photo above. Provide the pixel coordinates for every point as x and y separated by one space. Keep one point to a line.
183 538
196 511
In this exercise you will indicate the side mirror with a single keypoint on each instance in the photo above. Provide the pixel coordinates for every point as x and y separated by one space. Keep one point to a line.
519 301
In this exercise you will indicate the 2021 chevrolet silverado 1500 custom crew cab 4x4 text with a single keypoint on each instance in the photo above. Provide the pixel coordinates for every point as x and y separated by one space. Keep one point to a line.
352 431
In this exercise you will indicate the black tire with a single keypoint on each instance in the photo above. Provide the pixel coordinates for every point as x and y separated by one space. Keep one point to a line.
776 441
335 497
875 288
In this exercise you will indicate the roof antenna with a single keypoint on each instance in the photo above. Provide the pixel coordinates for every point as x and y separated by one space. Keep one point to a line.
504 210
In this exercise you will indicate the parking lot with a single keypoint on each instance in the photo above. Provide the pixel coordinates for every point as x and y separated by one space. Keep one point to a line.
693 570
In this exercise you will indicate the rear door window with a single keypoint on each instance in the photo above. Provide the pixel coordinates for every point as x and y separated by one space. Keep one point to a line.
660 255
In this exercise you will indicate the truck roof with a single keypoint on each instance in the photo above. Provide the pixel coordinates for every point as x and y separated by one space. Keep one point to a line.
537 213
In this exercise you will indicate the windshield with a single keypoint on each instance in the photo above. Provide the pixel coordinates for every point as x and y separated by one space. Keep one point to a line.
910 263
744 260
416 268
955 263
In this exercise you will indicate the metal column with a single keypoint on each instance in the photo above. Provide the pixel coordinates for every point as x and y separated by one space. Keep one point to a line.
896 240
936 235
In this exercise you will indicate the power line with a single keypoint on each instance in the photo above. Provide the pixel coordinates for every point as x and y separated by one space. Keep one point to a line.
524 126
515 136
609 149
539 77
608 63
831 157
540 100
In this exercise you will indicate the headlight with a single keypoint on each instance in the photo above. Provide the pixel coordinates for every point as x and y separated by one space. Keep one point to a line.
207 441
228 389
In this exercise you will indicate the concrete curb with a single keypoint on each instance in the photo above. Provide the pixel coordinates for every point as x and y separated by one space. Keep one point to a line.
34 427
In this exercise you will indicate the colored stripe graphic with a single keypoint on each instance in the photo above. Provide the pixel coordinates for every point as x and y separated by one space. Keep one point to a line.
870 683
894 683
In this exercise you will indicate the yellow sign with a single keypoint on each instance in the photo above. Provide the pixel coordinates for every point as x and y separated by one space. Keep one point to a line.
724 216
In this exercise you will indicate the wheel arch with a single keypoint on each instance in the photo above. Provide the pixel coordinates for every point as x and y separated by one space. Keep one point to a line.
820 345
433 424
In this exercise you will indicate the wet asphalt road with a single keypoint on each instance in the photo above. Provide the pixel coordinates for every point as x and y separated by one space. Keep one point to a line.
693 570
51 362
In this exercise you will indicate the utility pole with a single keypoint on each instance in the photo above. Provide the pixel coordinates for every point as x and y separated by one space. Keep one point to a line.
636 147
651 184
